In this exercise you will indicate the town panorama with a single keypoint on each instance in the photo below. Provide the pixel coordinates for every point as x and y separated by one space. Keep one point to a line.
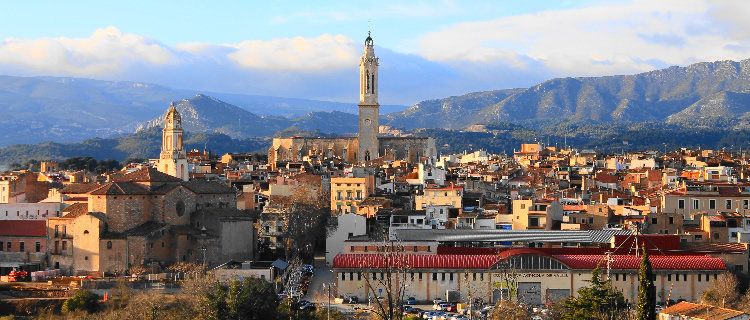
565 200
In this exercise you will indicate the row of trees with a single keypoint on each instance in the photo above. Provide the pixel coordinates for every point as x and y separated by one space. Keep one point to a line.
201 298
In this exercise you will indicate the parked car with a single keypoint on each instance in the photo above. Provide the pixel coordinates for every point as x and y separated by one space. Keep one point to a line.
352 299
411 300
306 305
308 268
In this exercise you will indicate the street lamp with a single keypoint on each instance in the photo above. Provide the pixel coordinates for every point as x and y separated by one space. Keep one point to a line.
328 294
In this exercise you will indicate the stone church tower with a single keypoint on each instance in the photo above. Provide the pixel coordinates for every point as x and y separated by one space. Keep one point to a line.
173 159
368 103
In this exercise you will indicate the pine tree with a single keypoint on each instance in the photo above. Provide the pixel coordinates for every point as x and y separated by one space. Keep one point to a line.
646 290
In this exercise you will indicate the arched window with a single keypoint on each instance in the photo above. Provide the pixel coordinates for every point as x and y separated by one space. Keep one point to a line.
367 80
85 232
109 244
180 208
372 81
182 169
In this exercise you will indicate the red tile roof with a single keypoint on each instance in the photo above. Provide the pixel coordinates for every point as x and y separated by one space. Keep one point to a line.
425 261
23 228
633 262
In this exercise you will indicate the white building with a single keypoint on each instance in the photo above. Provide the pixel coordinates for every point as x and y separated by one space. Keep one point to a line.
30 211
349 225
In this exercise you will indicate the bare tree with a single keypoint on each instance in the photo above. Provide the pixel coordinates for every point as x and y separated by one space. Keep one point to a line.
385 278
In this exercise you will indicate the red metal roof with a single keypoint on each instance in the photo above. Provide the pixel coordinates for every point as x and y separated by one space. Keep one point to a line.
426 261
23 228
633 262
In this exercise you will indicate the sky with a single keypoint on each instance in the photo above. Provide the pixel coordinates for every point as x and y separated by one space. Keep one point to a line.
310 49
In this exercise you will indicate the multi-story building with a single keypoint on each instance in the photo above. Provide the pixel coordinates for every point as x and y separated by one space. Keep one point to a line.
535 214
348 192
440 196
709 197
23 186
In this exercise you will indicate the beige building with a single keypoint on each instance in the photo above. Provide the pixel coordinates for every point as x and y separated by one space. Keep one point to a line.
530 276
535 214
347 193
439 196
23 186
708 197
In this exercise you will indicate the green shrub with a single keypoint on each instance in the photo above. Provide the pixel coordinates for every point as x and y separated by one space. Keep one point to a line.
82 300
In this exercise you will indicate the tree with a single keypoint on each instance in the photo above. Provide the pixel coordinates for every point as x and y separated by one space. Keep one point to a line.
82 300
385 279
251 299
218 303
723 292
598 301
646 290
507 310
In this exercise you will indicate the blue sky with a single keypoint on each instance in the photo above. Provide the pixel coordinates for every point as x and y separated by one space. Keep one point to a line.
308 49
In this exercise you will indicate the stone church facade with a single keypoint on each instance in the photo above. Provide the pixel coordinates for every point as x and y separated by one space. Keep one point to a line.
367 145
152 219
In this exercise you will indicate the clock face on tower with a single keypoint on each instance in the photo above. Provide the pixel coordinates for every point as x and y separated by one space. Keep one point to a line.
368 122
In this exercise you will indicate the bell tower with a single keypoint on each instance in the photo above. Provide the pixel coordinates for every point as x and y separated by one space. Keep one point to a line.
368 103
173 158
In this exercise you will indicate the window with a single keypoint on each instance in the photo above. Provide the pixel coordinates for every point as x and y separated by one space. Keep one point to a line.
669 277
9 246
696 203
746 204
434 276
700 277
109 244
64 245
442 276
523 206
21 246
728 204
681 204
712 203
671 220
684 277
85 232
180 208
653 220
37 247
624 277
474 277
451 276
343 276
533 222
420 276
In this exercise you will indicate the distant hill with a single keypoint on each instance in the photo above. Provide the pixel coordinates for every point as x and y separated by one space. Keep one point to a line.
202 113
144 144
37 109
673 94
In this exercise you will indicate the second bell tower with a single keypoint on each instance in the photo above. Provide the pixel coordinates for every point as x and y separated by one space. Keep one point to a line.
368 103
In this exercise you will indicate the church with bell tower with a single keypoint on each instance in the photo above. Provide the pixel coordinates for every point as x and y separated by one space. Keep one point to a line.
367 146
173 158
369 112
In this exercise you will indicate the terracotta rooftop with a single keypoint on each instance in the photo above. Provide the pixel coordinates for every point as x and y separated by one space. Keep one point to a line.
203 187
75 210
120 188
79 188
23 228
147 174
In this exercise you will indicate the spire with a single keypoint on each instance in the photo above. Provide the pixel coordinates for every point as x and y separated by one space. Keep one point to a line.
368 40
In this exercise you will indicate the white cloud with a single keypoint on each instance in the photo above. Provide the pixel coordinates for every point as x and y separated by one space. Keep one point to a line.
106 51
322 53
605 39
